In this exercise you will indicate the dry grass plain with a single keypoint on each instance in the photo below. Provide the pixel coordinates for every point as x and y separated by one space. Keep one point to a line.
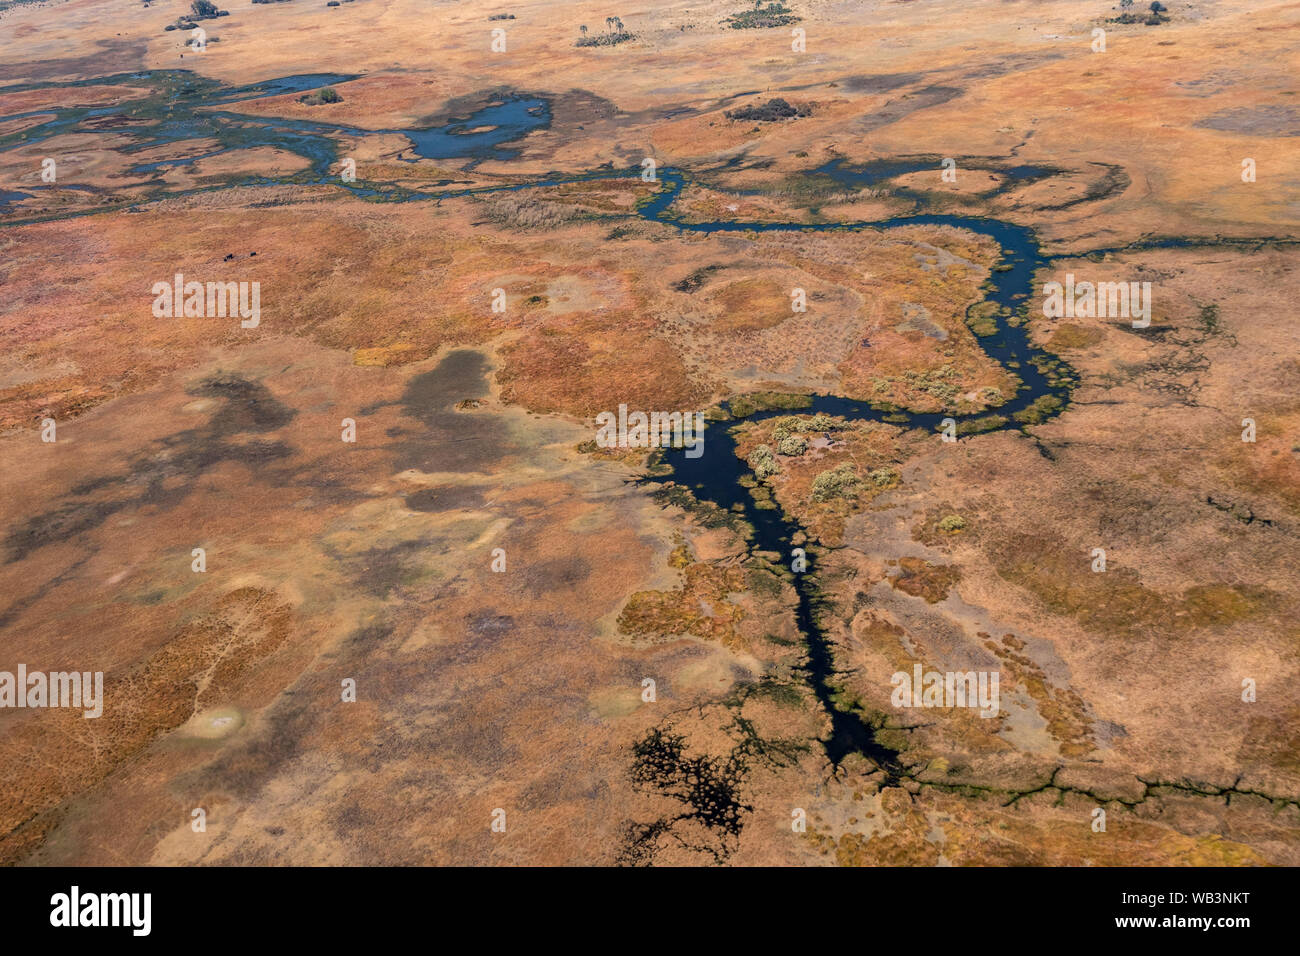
522 690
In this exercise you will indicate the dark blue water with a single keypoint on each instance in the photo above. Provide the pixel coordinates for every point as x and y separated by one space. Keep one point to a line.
7 197
505 122
299 83
166 114
177 109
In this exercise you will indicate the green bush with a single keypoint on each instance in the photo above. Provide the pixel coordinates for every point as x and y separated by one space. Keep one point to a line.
884 477
951 524
792 445
839 482
762 461
1042 408
326 94
786 426
776 14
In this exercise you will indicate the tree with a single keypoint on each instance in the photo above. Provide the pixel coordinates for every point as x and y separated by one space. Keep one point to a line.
204 8
1158 7
583 28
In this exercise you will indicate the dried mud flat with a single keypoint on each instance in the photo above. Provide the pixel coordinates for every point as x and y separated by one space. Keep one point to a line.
522 690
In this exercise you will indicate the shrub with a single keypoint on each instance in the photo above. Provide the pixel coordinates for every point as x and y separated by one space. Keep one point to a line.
326 94
613 35
605 39
884 477
774 15
763 462
786 426
1210 319
770 112
204 9
792 445
839 482
951 524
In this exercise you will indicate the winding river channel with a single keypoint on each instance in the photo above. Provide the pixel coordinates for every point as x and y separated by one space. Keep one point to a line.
715 476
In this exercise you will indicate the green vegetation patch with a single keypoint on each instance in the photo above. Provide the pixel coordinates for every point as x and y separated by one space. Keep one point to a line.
1042 408
789 425
792 445
775 14
986 423
742 406
773 111
885 478
951 524
922 579
762 462
326 94
1071 336
1115 601
840 482
614 34
982 318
